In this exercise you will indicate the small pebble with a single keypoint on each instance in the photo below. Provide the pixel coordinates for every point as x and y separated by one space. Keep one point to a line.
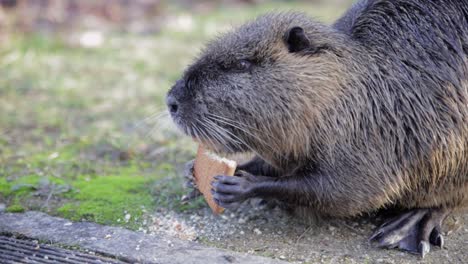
127 217
257 231
53 155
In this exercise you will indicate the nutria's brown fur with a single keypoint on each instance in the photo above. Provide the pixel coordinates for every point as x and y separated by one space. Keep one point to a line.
369 113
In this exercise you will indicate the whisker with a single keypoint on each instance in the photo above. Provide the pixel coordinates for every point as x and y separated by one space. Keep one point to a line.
156 117
214 137
231 136
243 128
223 138
232 121
150 132
160 118
239 142
240 128
205 135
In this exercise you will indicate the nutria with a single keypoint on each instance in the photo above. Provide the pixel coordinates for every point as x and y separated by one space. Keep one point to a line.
369 113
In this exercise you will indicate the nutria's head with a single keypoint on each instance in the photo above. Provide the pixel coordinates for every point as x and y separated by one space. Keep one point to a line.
260 86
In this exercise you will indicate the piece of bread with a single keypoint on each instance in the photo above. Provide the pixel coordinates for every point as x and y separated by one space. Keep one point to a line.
206 167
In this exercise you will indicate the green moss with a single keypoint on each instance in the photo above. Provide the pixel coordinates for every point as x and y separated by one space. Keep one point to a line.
5 187
107 200
15 208
27 180
19 187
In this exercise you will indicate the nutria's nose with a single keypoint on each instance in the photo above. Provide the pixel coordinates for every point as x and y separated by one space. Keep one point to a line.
175 96
172 104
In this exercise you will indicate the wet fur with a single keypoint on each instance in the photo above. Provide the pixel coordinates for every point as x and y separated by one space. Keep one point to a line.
373 115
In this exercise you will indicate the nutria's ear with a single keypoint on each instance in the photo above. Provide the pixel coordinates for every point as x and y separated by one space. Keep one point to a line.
296 39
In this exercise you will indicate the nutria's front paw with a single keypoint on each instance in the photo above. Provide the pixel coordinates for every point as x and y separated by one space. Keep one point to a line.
190 182
229 191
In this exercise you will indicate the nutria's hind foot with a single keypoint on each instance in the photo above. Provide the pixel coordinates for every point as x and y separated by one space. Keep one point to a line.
413 231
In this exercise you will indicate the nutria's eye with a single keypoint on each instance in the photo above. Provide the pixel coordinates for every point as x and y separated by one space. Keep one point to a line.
243 65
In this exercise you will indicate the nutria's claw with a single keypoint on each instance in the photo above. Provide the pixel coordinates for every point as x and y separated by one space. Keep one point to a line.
227 190
436 238
188 174
252 178
191 195
227 205
190 182
424 248
413 231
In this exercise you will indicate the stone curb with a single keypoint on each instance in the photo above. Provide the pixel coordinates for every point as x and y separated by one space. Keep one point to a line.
119 242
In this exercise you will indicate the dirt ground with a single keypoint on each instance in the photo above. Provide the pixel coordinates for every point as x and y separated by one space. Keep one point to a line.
272 232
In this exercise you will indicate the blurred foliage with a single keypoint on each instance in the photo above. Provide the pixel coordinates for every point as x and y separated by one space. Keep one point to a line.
127 15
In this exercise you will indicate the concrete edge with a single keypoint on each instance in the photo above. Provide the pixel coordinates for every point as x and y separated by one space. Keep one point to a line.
119 242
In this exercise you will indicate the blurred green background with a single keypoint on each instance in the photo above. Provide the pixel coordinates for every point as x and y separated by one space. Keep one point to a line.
83 132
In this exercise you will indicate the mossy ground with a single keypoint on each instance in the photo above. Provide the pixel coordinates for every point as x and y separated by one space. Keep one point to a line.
75 140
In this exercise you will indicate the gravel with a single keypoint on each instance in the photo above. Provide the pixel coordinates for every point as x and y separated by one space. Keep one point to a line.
262 230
